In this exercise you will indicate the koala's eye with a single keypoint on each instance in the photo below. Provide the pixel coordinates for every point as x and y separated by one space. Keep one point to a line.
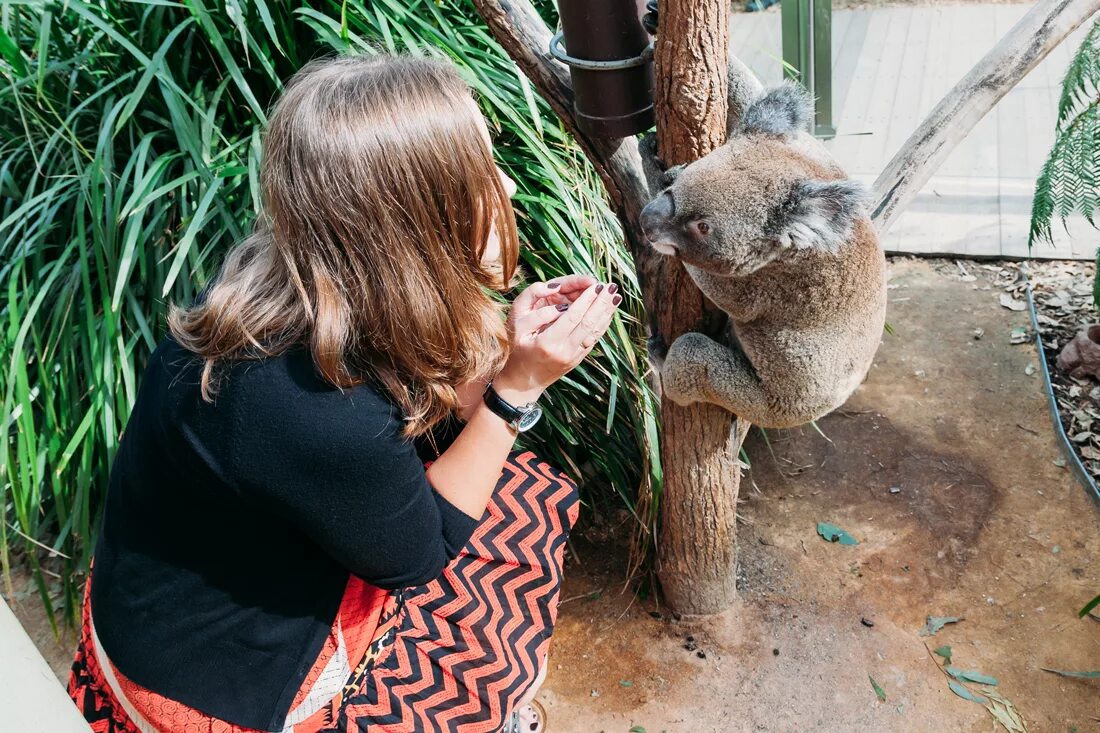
702 227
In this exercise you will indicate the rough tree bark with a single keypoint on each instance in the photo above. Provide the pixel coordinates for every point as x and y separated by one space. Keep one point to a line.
697 551
699 565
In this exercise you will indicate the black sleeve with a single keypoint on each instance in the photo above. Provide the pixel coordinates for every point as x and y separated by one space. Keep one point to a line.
336 465
443 434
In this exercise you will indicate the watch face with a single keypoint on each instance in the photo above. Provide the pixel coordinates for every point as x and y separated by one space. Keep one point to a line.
529 418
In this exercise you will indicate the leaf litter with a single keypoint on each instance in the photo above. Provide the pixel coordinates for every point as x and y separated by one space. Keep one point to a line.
1062 292
1001 709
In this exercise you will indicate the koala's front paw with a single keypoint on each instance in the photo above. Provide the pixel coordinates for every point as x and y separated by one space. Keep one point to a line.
657 348
684 377
649 20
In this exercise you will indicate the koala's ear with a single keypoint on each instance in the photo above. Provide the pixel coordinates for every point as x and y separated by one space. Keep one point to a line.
819 214
781 110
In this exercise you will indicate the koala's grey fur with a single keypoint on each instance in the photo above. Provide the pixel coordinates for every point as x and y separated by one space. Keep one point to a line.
787 251
783 109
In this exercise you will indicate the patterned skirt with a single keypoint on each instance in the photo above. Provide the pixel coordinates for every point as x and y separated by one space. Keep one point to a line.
454 655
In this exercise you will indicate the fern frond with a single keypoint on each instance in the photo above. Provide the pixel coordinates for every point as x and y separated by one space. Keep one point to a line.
1069 181
1082 80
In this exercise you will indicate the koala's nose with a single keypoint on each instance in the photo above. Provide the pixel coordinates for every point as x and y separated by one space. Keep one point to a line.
656 213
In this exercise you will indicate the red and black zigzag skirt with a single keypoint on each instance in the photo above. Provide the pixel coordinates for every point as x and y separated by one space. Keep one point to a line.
454 655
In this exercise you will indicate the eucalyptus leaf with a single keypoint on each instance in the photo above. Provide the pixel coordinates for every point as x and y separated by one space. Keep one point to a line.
935 623
879 692
1088 607
967 676
1093 675
966 694
833 533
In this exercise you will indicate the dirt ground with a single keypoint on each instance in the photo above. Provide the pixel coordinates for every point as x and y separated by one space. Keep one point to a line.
943 466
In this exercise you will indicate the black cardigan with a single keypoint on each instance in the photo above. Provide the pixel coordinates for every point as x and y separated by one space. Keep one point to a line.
230 529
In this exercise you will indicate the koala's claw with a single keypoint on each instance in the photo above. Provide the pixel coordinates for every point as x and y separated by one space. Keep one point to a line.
649 20
656 174
658 349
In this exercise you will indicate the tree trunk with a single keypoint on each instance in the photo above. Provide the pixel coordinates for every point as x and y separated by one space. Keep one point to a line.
697 548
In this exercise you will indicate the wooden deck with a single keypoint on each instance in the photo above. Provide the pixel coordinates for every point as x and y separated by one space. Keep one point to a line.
890 67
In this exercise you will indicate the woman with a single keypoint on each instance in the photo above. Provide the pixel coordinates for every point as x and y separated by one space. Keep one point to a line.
316 519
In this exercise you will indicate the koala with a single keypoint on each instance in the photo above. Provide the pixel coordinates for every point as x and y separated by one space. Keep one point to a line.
773 233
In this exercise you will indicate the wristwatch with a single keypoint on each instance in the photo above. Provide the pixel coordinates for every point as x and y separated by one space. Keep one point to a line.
521 418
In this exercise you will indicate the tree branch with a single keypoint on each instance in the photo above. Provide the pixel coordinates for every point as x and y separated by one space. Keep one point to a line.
1022 48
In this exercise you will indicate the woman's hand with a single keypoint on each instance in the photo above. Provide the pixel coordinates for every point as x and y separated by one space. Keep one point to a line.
561 290
553 327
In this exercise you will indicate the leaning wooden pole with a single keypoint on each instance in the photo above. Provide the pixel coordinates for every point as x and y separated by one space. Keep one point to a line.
697 547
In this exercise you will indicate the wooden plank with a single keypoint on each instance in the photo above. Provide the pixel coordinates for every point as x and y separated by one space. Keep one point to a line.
978 153
928 227
853 116
885 90
1012 146
914 64
845 60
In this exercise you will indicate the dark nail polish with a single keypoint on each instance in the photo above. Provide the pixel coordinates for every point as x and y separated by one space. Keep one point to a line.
599 288
612 288
616 300
553 285
563 306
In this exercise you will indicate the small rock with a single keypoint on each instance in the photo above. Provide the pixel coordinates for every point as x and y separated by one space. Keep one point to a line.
977 333
655 614
867 622
895 489
775 652
701 654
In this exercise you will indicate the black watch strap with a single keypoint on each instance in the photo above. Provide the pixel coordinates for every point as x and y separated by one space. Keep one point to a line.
501 406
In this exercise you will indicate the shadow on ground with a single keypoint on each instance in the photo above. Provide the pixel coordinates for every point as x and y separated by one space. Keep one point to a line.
943 466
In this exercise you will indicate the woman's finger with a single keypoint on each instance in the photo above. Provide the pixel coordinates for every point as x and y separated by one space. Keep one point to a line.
572 285
559 290
562 328
593 323
538 318
586 344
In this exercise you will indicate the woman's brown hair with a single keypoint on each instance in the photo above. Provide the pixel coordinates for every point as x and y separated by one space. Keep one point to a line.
379 196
